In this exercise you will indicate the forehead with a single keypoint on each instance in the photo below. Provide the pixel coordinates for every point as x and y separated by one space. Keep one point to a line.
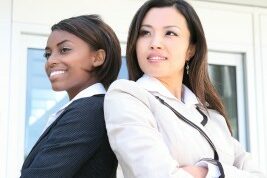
60 35
164 16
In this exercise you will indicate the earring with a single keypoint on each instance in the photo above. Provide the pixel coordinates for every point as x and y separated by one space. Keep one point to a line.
187 67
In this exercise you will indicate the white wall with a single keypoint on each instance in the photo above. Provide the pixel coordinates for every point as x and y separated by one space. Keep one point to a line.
240 29
263 56
5 36
259 3
116 13
228 28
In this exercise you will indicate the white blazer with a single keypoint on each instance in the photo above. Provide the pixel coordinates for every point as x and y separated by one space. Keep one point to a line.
150 141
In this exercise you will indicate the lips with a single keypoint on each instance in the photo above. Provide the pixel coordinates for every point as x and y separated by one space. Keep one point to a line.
156 57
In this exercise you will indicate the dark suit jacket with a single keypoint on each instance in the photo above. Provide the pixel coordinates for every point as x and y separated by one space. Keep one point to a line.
75 145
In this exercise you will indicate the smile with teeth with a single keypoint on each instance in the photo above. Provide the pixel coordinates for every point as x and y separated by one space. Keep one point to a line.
157 58
56 73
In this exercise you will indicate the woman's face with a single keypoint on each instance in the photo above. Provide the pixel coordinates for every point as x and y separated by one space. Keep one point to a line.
69 62
163 44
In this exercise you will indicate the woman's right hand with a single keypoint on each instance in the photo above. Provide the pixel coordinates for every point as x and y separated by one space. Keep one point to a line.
196 171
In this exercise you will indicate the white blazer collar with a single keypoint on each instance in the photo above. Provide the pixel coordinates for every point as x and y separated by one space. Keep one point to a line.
154 86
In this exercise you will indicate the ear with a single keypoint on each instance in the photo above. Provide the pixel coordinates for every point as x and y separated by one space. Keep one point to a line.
100 57
190 51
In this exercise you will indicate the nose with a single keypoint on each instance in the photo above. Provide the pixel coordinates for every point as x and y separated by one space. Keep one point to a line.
156 42
52 60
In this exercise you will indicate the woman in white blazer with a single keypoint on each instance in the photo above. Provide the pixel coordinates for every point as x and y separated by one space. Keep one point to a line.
169 122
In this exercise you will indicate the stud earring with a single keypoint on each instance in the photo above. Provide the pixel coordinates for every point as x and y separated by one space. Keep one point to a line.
187 67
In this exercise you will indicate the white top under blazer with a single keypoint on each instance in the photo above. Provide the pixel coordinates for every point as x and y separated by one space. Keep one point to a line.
150 141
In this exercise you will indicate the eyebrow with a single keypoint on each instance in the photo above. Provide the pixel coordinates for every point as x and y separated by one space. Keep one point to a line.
169 26
58 44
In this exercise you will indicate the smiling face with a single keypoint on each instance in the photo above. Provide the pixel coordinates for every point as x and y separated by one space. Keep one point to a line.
162 47
70 62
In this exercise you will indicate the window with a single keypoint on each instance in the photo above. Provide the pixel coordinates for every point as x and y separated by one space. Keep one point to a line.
123 74
226 73
224 79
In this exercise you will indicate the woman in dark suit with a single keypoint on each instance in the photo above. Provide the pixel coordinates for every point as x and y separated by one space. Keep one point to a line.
83 58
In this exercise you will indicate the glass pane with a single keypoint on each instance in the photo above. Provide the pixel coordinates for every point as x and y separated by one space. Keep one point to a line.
41 100
224 79
123 74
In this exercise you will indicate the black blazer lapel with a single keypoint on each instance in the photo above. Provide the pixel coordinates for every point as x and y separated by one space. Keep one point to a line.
28 159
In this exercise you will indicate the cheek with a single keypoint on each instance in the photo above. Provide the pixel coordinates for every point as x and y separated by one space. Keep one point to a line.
86 65
180 52
140 46
46 68
140 54
140 51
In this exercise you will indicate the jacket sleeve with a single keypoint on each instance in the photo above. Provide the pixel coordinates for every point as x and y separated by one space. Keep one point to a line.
134 136
73 140
244 166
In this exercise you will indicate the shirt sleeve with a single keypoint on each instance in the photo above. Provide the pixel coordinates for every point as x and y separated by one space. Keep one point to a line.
213 170
244 166
135 139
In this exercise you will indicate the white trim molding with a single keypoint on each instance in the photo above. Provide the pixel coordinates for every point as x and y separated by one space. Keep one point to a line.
5 48
24 36
254 3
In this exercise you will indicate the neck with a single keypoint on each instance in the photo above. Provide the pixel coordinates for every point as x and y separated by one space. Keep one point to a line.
72 92
173 85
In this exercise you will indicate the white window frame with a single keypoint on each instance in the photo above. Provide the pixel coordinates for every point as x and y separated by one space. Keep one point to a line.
5 36
235 60
247 42
24 36
258 3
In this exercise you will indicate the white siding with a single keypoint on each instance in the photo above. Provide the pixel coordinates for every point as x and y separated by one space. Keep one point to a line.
263 59
5 42
26 23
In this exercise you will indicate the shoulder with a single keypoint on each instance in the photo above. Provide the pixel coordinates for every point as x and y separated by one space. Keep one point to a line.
124 87
123 84
214 114
219 120
128 103
88 103
129 97
86 110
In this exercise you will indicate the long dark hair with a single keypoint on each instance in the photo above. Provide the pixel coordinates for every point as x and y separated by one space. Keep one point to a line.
98 35
198 79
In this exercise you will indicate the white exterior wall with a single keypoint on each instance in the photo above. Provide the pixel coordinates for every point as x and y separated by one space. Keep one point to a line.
263 80
26 23
239 29
5 39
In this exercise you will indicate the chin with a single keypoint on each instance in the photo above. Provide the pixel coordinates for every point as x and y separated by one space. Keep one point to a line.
154 74
55 88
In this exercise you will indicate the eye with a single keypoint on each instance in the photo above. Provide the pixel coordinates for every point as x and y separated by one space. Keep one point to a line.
64 50
47 54
171 33
144 33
